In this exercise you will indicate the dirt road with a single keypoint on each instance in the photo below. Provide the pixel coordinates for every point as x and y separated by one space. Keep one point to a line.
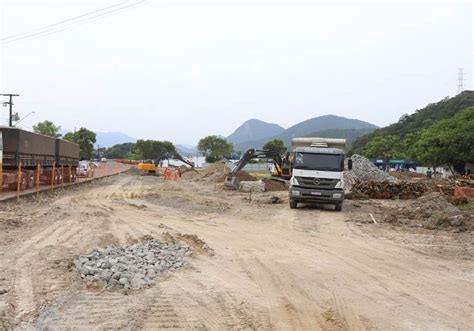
270 267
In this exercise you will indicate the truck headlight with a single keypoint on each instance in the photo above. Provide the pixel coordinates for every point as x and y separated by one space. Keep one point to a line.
294 181
337 195
295 193
340 184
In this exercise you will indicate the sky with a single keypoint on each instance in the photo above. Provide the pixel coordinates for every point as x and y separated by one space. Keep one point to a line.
181 70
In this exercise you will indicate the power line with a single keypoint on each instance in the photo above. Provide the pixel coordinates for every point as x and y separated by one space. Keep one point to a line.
75 23
64 21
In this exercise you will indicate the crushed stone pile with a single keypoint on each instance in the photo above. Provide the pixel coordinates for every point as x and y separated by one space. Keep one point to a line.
131 267
364 170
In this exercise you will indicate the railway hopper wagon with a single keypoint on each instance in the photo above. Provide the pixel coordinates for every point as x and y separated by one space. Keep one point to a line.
43 159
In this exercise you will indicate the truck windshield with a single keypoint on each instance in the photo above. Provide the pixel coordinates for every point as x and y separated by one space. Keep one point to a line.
323 162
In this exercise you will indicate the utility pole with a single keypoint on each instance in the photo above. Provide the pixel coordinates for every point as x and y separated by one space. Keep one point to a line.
460 80
10 120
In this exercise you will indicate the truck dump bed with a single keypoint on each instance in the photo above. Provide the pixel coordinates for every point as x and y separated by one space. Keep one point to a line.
316 142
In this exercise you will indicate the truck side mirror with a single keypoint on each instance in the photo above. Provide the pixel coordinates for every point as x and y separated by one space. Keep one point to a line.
349 164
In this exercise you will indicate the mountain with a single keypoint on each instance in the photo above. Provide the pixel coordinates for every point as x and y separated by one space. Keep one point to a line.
328 126
108 139
421 119
185 150
254 129
323 123
349 134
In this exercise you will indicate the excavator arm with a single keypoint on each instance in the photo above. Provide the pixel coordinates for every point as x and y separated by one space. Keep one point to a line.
178 157
231 180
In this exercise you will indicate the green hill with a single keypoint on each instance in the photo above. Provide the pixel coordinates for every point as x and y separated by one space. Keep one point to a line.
413 124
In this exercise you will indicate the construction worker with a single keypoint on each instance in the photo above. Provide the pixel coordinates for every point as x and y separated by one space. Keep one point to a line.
166 174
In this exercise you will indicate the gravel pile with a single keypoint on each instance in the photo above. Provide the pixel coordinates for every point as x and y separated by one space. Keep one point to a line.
133 266
364 170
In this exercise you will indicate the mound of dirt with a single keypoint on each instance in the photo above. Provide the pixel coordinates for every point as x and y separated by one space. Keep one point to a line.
431 211
244 176
214 172
272 185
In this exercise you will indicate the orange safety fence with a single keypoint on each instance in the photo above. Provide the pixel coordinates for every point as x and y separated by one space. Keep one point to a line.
16 182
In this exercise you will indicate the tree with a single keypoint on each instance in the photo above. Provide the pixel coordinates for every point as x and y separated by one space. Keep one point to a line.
275 145
119 151
214 148
47 128
85 139
154 149
448 141
385 147
421 119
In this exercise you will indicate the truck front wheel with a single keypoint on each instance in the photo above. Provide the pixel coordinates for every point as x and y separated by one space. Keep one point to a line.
293 203
338 207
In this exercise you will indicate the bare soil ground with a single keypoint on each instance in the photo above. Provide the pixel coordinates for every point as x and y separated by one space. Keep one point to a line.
268 266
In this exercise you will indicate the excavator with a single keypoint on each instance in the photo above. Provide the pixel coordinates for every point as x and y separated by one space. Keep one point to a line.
281 163
151 166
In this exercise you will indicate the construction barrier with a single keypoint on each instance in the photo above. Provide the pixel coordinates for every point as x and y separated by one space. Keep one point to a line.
21 181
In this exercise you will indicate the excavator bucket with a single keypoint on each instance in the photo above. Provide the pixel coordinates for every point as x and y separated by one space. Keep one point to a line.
231 182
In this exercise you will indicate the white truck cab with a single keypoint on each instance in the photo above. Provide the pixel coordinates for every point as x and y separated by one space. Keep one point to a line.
318 167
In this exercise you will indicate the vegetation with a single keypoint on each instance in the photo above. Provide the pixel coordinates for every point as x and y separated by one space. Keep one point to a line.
47 128
85 139
467 206
409 126
275 145
154 149
120 151
214 148
389 147
449 141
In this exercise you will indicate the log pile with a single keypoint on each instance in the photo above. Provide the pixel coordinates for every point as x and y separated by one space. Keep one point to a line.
388 190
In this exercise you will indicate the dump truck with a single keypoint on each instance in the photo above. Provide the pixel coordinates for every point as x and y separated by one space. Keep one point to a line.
317 175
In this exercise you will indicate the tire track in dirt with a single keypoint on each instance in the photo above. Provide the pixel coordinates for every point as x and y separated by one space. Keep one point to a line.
23 287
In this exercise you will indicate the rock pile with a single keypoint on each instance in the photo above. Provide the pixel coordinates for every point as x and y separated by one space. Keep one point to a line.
133 266
388 190
364 170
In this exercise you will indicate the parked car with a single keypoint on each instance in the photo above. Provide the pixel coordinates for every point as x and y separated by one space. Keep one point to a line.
85 169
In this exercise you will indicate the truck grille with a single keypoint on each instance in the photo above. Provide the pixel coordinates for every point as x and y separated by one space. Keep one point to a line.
310 182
